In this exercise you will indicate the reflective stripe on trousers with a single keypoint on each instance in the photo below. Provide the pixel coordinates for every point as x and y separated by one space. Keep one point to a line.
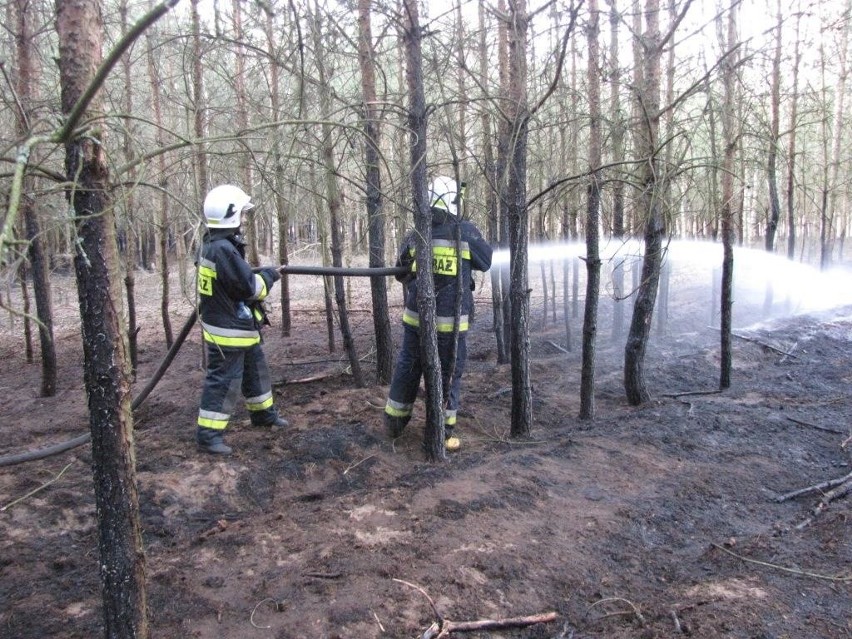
408 369
229 372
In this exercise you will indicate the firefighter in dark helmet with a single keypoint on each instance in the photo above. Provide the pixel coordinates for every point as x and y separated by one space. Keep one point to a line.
230 296
458 248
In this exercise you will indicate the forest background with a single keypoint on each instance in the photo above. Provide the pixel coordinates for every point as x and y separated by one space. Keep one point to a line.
568 122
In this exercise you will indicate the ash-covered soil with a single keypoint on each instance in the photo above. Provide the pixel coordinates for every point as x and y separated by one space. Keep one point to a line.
651 521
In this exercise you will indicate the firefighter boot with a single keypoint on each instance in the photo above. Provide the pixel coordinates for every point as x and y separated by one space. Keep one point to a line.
277 422
395 425
211 441
451 441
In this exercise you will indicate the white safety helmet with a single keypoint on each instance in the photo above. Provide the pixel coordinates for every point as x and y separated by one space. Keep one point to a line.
224 206
444 194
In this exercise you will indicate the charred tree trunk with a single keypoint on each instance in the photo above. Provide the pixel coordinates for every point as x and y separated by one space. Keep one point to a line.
503 161
516 196
728 233
417 128
651 207
105 363
593 260
375 206
774 140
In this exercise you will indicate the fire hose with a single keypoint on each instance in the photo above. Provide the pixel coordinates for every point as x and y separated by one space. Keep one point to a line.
286 269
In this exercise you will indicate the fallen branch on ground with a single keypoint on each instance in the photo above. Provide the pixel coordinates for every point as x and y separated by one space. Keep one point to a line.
839 491
444 627
787 353
688 393
39 489
823 428
795 571
634 609
558 347
831 483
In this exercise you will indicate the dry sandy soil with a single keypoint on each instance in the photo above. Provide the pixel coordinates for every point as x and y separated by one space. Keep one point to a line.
656 521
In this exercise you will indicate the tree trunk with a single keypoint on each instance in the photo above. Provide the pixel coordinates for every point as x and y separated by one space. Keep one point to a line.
503 161
774 140
617 120
130 255
834 185
105 361
23 278
162 211
593 260
198 105
730 140
492 179
650 205
251 223
417 129
333 198
516 196
375 206
281 205
25 87
791 147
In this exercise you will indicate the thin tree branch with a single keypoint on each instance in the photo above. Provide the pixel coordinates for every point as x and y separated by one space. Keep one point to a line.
106 67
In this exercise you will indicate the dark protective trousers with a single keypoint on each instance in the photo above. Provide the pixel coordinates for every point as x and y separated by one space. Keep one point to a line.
229 372
408 369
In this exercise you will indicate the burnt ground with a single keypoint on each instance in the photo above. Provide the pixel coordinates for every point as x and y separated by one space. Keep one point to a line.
651 521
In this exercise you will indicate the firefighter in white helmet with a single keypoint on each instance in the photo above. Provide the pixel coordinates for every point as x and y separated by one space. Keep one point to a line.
230 295
458 248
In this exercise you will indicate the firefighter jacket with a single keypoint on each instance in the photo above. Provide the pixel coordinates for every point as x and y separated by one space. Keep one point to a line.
456 244
229 292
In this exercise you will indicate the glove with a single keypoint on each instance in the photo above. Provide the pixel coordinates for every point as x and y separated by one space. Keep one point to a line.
258 311
270 275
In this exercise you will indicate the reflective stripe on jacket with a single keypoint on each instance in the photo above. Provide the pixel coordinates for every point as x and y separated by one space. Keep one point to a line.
226 289
469 251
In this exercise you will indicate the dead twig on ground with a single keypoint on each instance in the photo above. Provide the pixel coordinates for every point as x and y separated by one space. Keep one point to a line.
795 571
558 347
259 604
816 426
831 483
358 463
444 627
678 627
634 609
376 617
307 380
690 393
789 353
39 489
